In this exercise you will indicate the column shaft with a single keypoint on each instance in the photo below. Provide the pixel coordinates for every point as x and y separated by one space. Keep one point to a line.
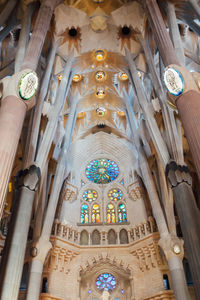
189 219
174 33
188 106
43 242
12 114
35 277
14 268
37 39
161 35
178 278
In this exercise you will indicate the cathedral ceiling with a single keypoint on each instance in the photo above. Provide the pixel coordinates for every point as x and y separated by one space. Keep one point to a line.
89 6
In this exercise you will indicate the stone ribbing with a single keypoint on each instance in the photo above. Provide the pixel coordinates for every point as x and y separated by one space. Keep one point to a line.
161 35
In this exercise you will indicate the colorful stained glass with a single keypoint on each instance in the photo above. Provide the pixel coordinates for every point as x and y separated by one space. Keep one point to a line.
106 281
95 213
122 218
84 214
90 195
102 171
111 213
115 194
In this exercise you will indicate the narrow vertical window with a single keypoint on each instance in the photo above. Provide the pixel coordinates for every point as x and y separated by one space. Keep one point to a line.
84 214
95 213
122 218
111 213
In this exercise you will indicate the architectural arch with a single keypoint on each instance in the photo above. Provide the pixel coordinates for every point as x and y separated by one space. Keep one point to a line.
84 238
96 237
123 236
112 237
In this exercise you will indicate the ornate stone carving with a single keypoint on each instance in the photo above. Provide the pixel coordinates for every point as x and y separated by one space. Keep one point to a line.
61 258
148 256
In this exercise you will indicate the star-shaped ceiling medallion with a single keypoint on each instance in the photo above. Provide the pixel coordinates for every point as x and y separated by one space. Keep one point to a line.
73 37
127 34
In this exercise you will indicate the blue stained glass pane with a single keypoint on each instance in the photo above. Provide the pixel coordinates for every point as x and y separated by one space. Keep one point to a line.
106 281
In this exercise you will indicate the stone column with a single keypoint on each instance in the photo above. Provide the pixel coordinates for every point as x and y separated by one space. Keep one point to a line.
188 103
13 109
37 39
167 241
43 245
14 267
7 11
24 35
189 217
161 35
174 33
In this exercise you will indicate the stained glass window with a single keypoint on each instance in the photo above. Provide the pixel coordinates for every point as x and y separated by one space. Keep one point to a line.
122 213
84 214
102 171
110 213
115 194
90 195
106 281
95 213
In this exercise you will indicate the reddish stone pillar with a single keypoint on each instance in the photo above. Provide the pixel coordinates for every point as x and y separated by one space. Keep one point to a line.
188 105
37 39
9 128
190 98
13 108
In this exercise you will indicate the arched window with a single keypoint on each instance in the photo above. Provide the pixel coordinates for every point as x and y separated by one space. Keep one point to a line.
123 236
96 238
84 238
112 237
122 218
111 213
84 214
95 213
166 282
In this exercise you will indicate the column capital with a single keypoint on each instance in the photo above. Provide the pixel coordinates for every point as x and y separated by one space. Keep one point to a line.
40 249
22 85
172 246
179 81
177 174
29 178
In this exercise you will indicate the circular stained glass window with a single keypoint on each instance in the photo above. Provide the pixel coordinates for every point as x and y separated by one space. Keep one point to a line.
102 171
115 194
100 75
90 195
106 281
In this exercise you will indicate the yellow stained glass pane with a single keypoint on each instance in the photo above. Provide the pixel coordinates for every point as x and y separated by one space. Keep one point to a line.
95 206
